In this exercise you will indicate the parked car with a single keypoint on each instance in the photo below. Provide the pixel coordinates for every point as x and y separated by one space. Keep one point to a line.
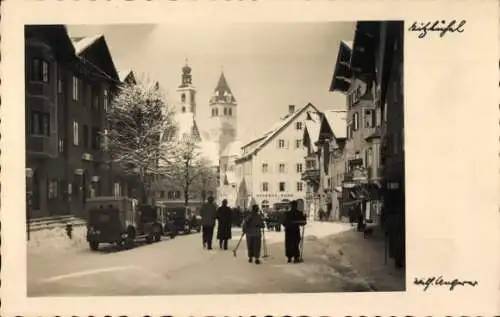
183 219
168 228
118 220
274 220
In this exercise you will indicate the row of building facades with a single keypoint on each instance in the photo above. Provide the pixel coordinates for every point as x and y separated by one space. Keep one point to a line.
338 160
70 83
332 159
69 86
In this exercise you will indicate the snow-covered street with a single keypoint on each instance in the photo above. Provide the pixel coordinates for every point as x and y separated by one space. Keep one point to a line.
63 267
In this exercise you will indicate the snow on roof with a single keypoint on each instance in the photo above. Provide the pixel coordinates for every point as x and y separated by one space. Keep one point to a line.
278 126
337 119
231 178
210 151
348 43
232 149
122 74
313 128
82 43
185 122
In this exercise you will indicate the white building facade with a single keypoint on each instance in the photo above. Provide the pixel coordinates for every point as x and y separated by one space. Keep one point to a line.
270 168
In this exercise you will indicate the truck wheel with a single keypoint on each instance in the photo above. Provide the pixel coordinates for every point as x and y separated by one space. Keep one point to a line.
157 237
128 243
94 245
149 238
198 230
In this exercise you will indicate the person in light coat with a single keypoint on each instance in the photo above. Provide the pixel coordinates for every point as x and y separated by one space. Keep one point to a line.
252 227
208 213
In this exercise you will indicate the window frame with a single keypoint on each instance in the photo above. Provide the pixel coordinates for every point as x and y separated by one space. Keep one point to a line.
355 121
300 187
280 142
76 133
75 88
265 187
299 167
105 99
284 187
298 143
280 169
265 168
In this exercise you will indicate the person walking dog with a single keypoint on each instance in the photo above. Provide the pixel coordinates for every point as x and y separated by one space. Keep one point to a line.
252 227
208 213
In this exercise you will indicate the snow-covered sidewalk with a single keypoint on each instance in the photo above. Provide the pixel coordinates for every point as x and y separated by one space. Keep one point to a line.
367 258
55 240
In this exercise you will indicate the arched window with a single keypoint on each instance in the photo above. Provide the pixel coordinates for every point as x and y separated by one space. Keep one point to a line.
183 109
216 111
183 97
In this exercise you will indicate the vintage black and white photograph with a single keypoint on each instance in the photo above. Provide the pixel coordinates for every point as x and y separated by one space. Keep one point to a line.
247 158
236 158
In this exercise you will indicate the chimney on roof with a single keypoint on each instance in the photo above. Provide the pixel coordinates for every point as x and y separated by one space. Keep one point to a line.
291 109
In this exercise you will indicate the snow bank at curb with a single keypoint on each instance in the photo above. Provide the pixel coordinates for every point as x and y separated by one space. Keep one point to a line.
56 240
350 251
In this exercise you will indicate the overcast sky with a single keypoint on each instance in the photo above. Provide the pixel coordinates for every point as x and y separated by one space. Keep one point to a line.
267 65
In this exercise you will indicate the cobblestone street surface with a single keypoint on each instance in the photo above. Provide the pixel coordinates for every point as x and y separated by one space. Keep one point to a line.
337 259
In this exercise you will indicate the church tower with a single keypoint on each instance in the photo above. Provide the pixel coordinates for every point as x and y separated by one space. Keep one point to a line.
223 115
186 101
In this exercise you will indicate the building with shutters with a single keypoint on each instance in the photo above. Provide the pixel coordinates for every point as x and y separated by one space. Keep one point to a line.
69 82
361 149
270 168
370 73
324 138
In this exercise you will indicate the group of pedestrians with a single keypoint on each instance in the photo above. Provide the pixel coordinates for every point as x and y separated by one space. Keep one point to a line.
209 215
253 226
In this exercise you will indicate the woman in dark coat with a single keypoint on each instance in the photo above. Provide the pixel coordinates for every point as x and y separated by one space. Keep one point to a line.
294 219
224 219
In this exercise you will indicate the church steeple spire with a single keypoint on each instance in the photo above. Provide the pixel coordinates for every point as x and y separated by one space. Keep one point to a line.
222 92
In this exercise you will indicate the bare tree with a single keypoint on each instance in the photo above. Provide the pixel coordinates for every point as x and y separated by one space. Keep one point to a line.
141 133
189 169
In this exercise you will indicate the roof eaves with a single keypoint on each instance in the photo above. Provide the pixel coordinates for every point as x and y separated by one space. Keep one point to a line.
285 124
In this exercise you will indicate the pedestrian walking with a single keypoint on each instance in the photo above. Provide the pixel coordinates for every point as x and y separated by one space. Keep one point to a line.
208 213
224 219
292 222
252 227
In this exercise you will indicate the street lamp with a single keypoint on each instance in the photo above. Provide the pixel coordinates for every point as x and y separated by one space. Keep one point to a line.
29 198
